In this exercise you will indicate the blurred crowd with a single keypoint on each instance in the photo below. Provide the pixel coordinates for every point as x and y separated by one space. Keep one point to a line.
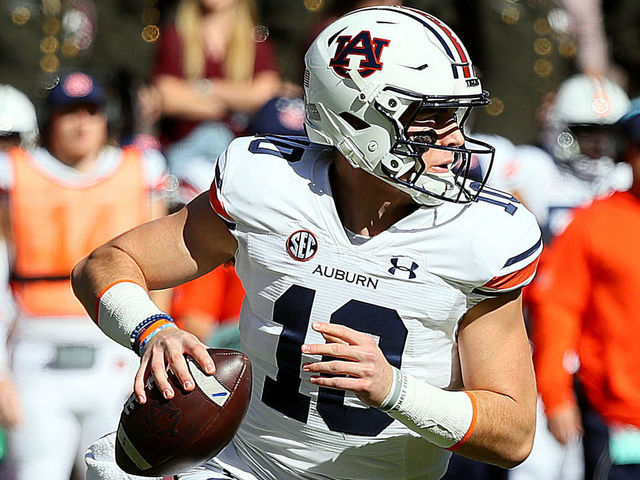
122 109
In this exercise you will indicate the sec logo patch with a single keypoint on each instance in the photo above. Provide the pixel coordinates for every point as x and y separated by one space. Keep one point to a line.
302 245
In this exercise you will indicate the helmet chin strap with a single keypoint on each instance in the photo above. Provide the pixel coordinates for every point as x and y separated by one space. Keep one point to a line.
444 183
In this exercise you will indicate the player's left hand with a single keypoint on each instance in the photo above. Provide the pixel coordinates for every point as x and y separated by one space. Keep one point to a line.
359 363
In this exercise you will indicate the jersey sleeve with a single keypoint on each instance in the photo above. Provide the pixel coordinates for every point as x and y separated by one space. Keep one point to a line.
255 181
512 259
241 190
216 195
517 271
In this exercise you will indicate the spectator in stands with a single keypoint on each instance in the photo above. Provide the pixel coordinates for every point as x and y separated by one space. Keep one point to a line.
214 68
61 201
587 301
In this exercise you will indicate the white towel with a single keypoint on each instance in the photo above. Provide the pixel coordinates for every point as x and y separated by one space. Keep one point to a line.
101 461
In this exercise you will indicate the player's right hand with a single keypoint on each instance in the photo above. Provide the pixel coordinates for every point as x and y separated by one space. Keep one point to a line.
566 424
164 350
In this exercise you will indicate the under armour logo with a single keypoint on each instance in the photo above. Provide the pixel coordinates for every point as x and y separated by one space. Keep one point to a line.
363 45
410 270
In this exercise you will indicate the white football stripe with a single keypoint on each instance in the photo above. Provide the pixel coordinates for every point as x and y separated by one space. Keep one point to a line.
209 384
131 451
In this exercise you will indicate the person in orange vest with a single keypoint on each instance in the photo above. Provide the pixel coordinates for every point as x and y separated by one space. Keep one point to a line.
63 200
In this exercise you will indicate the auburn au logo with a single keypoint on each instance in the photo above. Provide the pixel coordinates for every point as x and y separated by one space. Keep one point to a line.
361 45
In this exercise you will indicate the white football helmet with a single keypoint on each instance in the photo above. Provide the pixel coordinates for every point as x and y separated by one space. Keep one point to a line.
367 77
577 133
17 115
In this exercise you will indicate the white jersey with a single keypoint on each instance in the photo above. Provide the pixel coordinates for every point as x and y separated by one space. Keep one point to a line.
408 287
502 159
550 191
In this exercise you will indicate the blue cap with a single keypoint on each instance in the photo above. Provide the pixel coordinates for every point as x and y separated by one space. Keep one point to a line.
281 116
629 124
75 88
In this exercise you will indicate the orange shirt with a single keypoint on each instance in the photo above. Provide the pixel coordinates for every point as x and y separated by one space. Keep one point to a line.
217 295
587 299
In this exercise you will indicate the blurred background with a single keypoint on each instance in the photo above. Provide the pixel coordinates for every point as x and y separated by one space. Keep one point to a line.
523 48
182 78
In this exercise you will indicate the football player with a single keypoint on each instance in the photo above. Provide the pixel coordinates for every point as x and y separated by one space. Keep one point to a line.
18 127
18 122
584 302
382 312
576 163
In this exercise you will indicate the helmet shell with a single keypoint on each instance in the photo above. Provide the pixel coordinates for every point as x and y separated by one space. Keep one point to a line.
17 114
365 70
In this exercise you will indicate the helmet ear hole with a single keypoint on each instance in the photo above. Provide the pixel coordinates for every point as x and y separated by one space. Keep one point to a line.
355 122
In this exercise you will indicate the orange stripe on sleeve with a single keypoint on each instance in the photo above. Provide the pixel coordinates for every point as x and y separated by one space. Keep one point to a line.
472 427
514 279
216 204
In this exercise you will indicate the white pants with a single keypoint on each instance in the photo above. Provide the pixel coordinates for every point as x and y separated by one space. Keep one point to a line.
549 459
65 405
227 465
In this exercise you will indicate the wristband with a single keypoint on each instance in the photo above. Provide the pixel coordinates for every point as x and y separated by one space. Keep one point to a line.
147 329
392 398
122 308
146 340
445 418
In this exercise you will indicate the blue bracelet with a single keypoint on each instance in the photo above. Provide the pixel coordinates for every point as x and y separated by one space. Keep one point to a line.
143 326
150 336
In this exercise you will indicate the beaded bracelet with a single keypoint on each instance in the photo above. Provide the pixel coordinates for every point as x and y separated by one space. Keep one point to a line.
152 333
147 328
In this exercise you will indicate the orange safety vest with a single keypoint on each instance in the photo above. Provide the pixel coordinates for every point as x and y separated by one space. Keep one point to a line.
54 224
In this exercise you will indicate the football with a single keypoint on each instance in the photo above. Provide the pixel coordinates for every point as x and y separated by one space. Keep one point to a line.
162 437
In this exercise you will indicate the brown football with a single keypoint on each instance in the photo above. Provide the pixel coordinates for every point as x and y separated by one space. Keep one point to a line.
164 437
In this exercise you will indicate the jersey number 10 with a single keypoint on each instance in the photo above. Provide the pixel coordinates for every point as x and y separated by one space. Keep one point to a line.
293 311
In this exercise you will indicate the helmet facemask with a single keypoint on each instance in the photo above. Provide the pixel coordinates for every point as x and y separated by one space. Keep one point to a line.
393 151
415 137
586 149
